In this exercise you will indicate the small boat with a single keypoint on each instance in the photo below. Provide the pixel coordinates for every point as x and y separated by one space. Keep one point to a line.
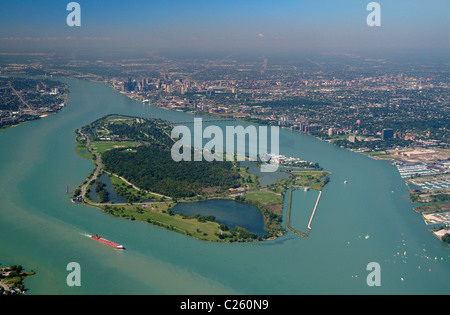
345 182
106 242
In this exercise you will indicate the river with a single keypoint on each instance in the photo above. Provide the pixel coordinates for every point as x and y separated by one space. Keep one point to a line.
370 219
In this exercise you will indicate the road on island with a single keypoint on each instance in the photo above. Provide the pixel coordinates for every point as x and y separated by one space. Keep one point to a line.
98 166
98 169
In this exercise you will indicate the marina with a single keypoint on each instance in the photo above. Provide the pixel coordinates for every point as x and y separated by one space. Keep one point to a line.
408 171
428 183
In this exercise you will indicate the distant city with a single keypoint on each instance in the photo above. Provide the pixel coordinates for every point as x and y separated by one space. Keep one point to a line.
361 104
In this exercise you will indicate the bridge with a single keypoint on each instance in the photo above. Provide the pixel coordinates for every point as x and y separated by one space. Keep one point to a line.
203 121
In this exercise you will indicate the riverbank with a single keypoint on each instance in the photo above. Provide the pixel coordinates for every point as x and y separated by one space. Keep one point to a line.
428 185
12 278
29 99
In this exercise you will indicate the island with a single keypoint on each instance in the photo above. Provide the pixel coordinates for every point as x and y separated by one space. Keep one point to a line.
11 280
132 159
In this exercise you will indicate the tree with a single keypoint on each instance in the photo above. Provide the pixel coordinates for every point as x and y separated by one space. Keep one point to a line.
446 238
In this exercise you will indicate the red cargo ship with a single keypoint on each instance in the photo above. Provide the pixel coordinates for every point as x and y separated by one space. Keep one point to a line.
106 242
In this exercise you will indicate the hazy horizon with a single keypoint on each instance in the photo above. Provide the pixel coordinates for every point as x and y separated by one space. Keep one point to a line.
198 27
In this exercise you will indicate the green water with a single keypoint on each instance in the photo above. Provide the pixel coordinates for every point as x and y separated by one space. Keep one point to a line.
42 230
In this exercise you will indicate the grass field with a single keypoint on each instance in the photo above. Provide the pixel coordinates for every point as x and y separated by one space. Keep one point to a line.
319 185
305 177
263 197
300 178
378 154
160 214
82 150
248 179
103 146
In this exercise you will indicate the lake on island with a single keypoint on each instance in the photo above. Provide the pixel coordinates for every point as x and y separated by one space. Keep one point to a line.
266 178
369 219
112 194
227 212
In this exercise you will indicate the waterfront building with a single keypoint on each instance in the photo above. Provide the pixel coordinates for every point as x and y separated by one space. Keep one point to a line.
387 134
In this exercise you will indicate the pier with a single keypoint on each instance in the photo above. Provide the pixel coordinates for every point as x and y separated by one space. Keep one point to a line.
289 227
288 219
314 212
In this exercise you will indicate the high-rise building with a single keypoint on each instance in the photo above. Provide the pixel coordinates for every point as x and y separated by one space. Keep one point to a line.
330 132
129 86
387 134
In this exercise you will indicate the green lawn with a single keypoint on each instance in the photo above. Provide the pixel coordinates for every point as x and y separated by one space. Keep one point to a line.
103 146
319 185
82 150
298 179
158 214
305 177
263 197
248 179
379 154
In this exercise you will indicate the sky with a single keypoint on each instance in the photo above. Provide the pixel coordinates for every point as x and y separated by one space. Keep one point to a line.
231 26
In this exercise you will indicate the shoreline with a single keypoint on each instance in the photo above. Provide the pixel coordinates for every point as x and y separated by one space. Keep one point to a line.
443 224
266 209
98 169
43 115
12 280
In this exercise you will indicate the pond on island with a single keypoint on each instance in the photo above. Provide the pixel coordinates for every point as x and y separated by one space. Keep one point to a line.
227 212
265 178
112 194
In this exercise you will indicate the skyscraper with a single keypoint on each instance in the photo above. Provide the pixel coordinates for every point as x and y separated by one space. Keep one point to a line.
387 134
